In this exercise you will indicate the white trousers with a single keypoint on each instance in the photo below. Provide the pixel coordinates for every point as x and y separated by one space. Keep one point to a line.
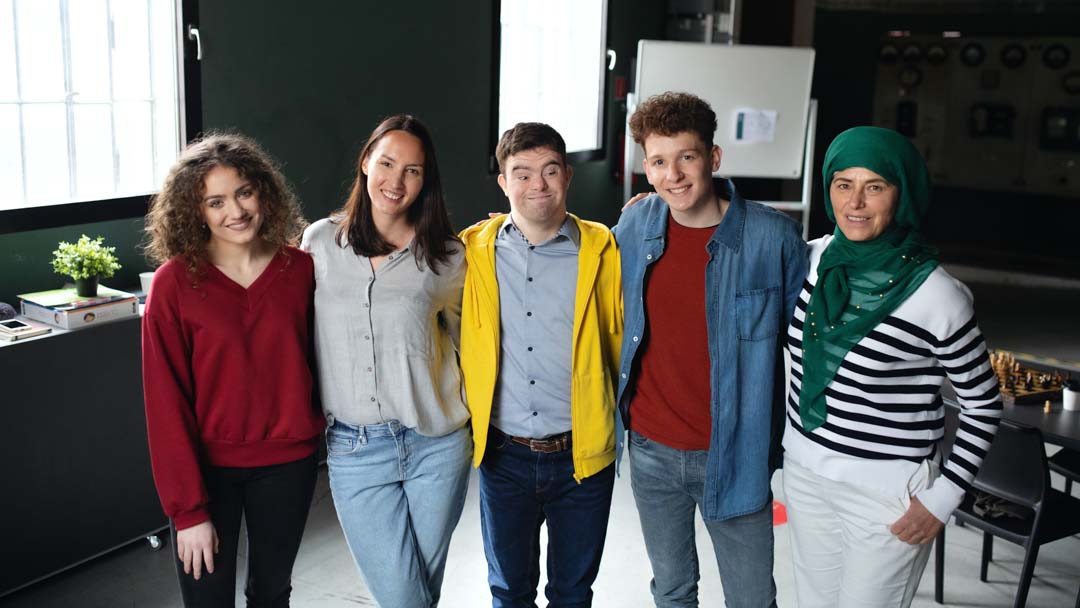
843 551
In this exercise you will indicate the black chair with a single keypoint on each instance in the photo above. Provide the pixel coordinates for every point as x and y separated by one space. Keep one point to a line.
1015 469
1067 464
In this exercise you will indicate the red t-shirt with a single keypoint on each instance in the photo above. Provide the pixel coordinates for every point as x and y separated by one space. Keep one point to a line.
671 403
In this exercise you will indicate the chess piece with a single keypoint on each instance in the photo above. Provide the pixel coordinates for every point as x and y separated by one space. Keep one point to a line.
1046 408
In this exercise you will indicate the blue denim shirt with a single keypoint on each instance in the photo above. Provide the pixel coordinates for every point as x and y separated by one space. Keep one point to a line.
756 268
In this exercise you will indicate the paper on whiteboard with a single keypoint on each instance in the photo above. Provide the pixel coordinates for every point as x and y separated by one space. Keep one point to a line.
754 126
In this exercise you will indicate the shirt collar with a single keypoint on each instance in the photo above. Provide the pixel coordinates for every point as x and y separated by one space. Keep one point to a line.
568 231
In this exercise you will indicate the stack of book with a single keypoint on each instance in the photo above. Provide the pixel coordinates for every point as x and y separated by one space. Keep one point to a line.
66 309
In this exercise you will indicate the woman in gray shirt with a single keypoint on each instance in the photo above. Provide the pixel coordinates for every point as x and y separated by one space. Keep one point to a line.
388 281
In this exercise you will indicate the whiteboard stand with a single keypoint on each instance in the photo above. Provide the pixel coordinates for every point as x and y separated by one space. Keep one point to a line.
802 206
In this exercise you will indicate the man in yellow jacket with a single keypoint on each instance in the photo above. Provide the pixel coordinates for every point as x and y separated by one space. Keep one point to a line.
541 331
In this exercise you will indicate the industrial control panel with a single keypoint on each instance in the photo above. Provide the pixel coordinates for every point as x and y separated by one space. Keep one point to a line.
991 113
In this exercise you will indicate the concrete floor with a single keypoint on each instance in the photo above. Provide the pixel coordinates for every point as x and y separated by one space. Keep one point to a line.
1037 321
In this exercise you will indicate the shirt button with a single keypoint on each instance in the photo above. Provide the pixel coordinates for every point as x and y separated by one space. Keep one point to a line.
635 338
366 304
532 381
648 257
532 246
528 314
369 369
624 375
530 349
530 279
535 413
370 279
373 398
389 257
367 337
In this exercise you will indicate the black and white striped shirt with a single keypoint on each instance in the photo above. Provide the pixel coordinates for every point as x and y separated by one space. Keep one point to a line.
885 415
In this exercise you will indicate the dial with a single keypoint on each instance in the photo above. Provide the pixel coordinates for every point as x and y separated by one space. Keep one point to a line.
1071 82
1056 56
910 76
1013 55
936 54
973 54
888 53
912 53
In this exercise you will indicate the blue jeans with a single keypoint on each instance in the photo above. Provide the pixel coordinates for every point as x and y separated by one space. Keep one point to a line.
399 496
520 490
668 485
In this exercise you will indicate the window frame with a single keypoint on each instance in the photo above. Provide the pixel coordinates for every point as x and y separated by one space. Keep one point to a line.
189 89
598 153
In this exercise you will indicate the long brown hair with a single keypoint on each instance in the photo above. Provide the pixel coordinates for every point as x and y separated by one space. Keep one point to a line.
175 225
427 215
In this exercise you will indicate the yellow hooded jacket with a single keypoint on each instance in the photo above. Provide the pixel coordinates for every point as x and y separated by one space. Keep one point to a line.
597 339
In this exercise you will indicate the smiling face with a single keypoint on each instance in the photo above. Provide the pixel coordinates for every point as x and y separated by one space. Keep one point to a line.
536 182
863 203
395 173
679 167
230 208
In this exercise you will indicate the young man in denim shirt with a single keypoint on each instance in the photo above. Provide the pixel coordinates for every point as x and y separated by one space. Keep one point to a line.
710 281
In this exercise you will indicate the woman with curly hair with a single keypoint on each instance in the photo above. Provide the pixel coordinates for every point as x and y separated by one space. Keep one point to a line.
232 427
389 273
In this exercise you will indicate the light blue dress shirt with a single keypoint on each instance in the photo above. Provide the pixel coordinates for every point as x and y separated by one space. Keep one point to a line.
537 286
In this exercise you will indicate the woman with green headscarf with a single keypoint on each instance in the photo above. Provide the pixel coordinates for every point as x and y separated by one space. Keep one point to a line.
878 328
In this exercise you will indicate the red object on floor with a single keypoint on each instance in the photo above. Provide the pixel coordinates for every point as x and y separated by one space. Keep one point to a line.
779 513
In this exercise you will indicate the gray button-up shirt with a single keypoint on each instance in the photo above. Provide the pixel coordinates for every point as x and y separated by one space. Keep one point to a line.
386 340
537 286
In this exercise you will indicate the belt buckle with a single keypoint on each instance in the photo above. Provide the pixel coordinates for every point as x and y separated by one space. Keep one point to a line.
544 446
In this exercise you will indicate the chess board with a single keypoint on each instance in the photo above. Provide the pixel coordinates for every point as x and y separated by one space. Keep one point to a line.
1022 385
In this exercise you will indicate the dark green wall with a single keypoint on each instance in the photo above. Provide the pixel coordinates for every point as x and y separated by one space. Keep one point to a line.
311 79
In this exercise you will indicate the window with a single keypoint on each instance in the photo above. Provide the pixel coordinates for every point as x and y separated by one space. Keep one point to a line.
551 68
89 101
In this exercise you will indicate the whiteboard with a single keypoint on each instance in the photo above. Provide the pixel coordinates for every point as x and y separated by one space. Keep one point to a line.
734 79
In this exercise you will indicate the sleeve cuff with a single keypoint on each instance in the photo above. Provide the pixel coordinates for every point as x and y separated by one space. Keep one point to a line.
942 498
190 519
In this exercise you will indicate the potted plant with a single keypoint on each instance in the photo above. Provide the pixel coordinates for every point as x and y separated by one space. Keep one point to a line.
86 261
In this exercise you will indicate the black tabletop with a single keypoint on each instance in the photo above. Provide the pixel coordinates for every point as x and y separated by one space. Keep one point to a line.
1058 426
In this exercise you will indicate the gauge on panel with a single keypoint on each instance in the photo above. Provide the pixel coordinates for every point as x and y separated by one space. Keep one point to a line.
973 54
910 77
1013 55
1071 82
888 53
936 55
1056 56
912 53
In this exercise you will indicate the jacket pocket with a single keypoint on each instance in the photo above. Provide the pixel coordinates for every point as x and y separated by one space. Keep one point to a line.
757 313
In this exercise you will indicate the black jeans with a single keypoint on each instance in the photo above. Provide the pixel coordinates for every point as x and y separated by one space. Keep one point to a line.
274 501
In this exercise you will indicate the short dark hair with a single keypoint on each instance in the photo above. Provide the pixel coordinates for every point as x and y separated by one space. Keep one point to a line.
528 136
428 215
671 113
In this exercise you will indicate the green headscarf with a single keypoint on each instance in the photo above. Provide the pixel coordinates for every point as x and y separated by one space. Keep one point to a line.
860 283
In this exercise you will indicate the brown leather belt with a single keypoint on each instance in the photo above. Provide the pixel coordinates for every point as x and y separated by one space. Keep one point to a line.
549 445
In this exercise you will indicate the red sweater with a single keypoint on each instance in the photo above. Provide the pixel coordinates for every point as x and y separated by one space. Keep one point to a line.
226 376
671 403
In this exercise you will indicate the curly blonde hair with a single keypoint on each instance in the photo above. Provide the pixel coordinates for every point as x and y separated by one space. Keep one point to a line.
174 223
